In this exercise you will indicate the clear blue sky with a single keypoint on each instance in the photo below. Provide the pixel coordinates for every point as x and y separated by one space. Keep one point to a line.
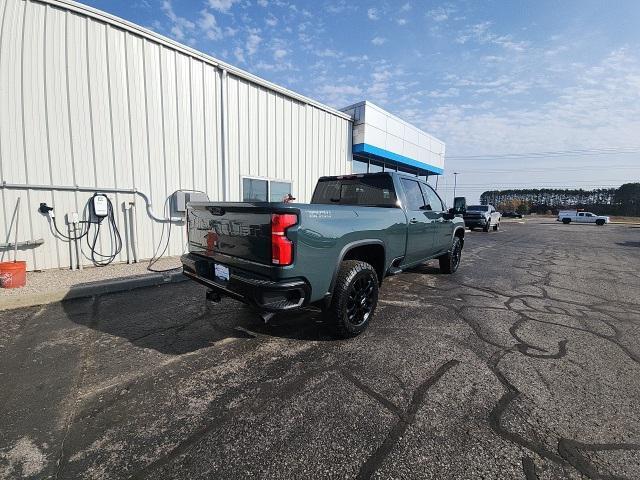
488 78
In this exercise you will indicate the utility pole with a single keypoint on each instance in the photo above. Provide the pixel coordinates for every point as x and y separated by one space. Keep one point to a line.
455 184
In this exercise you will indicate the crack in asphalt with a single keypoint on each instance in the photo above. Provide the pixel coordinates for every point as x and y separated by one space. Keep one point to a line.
529 468
377 458
63 456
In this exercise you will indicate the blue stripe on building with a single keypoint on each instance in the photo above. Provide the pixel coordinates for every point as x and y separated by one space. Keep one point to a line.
382 154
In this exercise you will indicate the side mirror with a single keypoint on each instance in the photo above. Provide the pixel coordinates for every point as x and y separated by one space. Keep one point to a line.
450 215
459 205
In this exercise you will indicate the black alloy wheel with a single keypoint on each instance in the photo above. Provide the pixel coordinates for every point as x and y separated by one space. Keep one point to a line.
450 261
354 299
360 301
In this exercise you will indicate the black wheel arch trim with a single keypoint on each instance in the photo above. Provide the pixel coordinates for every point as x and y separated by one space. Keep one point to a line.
343 252
457 229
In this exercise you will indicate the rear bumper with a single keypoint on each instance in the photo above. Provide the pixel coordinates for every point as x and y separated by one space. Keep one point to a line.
246 287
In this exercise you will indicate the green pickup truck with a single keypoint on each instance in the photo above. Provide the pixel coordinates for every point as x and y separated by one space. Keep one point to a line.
332 253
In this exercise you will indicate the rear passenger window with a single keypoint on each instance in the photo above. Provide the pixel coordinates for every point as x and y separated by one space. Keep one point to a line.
415 201
373 191
433 200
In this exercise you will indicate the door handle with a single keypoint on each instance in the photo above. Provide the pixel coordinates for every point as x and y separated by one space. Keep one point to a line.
413 220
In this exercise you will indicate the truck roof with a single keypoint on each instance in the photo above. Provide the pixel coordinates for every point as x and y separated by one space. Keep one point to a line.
361 175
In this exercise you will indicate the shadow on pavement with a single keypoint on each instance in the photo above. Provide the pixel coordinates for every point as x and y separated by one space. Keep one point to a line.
628 243
176 319
426 269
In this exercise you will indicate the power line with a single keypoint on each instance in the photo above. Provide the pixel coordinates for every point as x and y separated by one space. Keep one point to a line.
546 170
557 153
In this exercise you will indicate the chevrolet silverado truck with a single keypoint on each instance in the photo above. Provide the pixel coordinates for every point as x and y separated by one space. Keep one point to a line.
332 253
568 216
482 216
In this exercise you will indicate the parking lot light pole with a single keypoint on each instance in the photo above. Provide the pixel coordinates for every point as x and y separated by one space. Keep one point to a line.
455 183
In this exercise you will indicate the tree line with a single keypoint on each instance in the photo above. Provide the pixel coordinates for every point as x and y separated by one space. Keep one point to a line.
624 200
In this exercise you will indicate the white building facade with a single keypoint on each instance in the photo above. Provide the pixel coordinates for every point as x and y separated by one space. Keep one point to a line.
91 103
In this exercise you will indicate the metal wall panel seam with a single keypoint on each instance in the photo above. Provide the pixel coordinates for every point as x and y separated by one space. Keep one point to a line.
224 134
204 126
46 117
93 143
113 146
24 135
164 133
72 152
4 200
120 23
175 79
193 148
146 116
130 129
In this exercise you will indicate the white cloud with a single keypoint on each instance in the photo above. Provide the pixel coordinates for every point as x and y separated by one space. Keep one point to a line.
263 3
401 21
406 7
340 94
271 20
209 26
379 41
450 92
280 53
372 13
238 53
253 42
481 33
599 107
329 53
222 5
180 26
440 14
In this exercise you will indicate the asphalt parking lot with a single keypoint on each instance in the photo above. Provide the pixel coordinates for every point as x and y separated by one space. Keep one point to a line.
524 364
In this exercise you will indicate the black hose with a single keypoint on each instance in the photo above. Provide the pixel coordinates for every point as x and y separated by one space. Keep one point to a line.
100 259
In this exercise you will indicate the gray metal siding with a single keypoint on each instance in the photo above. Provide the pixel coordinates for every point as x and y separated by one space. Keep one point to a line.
89 100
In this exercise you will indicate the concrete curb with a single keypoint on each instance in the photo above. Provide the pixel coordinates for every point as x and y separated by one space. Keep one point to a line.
95 288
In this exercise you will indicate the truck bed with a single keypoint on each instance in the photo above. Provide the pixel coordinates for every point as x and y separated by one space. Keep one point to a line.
238 236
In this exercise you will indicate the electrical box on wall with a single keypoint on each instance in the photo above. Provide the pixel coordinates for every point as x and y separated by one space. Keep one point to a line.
100 205
182 198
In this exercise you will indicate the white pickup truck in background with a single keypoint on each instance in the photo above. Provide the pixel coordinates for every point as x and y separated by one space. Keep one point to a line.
568 216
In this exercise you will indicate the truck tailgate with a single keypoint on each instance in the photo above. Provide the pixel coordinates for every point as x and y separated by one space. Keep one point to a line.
239 230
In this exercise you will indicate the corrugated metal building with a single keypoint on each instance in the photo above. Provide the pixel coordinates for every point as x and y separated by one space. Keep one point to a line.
91 103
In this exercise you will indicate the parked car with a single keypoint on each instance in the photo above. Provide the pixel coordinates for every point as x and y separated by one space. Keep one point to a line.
568 216
511 215
482 216
333 253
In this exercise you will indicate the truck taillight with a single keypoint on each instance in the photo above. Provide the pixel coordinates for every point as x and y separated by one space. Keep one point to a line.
281 246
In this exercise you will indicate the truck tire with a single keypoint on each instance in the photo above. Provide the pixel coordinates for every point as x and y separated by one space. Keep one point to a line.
450 261
496 227
486 227
566 221
354 299
600 222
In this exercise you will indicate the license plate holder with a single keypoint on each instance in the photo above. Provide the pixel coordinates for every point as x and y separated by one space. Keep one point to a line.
221 272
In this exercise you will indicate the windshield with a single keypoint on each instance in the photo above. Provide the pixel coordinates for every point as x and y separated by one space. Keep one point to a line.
372 191
478 208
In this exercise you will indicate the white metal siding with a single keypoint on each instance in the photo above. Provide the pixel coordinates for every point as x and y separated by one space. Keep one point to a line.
89 100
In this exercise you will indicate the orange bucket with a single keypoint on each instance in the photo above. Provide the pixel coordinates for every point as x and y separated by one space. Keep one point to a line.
13 274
